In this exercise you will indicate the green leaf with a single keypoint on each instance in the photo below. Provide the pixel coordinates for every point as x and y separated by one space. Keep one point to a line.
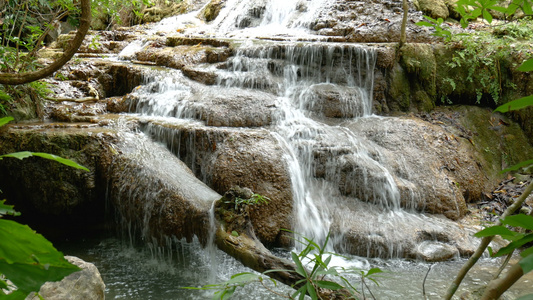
311 291
527 263
7 209
301 291
3 285
234 233
5 120
526 297
518 166
500 9
514 245
243 278
330 285
495 230
28 259
373 271
26 154
527 252
516 104
487 16
299 267
424 23
526 66
519 220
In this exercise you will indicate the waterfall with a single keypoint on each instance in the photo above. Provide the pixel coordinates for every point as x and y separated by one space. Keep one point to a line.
305 78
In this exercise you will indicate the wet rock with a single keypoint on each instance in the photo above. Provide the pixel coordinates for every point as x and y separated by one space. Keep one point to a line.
336 101
436 180
236 108
155 192
227 157
433 251
403 234
211 10
256 161
202 75
84 284
49 192
180 56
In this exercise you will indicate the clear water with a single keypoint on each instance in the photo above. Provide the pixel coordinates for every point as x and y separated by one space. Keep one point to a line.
138 273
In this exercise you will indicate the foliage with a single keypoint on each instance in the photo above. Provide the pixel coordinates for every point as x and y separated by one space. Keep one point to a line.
437 26
482 52
256 199
25 25
517 104
314 279
117 11
517 239
27 259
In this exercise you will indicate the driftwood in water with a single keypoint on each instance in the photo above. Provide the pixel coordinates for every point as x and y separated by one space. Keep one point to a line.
246 248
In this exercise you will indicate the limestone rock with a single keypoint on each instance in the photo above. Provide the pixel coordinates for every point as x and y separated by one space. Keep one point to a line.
86 284
436 251
434 8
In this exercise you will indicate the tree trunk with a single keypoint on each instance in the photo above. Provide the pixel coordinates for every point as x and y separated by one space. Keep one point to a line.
21 78
403 35
498 286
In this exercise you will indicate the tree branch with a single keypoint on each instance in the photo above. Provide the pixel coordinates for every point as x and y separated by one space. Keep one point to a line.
485 243
21 78
498 286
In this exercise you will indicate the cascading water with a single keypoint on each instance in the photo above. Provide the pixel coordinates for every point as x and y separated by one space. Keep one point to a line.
342 181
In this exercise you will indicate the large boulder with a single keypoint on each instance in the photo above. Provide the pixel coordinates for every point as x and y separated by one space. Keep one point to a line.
86 284
226 157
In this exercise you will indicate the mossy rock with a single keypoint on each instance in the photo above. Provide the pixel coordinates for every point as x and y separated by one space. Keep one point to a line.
500 141
211 11
433 8
399 91
423 101
418 59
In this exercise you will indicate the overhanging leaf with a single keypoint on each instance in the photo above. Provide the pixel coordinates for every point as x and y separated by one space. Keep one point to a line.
519 220
526 297
5 120
330 285
495 230
311 291
301 291
28 259
527 263
514 245
515 104
518 166
299 267
373 271
26 154
243 278
526 66
7 209
527 252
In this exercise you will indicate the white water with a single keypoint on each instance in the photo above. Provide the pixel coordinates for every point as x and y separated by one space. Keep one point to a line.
302 76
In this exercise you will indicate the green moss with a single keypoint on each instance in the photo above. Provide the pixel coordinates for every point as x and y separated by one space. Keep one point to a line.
399 90
419 59
499 141
423 102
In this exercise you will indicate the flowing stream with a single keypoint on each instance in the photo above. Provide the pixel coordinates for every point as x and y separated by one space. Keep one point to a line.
339 179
